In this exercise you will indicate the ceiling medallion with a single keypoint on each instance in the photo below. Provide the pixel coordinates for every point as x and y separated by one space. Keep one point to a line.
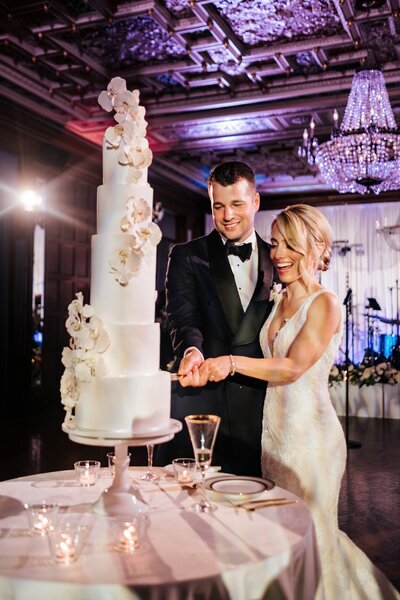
363 154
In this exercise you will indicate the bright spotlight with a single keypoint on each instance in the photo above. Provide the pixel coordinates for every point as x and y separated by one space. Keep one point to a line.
31 200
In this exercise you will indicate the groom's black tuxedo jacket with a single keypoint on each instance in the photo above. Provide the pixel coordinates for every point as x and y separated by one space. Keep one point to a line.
204 310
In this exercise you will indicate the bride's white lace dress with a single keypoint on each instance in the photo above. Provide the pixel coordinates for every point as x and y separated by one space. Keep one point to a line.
304 451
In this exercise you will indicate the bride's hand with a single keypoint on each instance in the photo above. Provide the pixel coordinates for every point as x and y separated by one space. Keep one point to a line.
218 368
307 268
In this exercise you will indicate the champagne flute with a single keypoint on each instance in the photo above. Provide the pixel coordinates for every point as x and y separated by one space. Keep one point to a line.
203 431
150 475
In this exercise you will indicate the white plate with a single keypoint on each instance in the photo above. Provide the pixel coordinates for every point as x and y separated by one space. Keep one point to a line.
238 488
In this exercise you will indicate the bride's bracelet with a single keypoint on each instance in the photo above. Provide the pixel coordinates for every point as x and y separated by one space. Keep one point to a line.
233 366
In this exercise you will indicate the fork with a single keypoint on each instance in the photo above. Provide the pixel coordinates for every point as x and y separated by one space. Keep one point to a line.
263 501
268 505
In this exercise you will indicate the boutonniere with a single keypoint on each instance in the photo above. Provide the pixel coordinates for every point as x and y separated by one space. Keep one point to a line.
276 291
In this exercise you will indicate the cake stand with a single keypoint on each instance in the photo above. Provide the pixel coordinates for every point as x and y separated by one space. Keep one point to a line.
119 498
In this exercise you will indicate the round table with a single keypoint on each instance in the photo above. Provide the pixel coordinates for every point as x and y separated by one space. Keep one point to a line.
230 553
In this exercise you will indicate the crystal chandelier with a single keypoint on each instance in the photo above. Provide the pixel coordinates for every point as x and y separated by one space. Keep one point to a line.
363 154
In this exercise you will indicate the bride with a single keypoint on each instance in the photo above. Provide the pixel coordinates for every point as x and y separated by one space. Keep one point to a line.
303 446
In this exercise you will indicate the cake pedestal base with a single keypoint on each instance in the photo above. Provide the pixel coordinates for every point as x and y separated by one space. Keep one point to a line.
122 498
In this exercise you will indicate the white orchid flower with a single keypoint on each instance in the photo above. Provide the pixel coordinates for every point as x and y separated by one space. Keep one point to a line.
136 96
76 305
151 234
136 156
125 261
137 210
124 105
102 342
134 175
83 372
85 340
68 383
73 325
87 311
121 132
81 360
107 98
66 357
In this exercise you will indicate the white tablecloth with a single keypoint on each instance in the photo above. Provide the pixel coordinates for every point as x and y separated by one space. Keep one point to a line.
230 553
380 400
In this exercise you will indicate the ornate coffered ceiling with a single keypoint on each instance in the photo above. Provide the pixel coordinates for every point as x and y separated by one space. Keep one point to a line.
220 79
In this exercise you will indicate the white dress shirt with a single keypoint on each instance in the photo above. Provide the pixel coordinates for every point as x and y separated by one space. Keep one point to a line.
245 272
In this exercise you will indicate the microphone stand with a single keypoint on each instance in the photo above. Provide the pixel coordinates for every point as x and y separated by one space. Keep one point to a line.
347 303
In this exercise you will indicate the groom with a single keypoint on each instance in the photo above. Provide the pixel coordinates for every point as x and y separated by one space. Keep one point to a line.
217 290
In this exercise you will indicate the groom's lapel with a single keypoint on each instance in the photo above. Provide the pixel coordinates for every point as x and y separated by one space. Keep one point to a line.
224 281
260 305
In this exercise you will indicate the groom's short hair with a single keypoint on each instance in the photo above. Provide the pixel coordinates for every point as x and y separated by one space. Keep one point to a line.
228 173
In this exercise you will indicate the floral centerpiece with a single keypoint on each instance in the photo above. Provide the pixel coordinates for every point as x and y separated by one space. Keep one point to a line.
364 374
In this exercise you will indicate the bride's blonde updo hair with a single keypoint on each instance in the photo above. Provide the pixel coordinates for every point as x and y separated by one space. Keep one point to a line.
304 229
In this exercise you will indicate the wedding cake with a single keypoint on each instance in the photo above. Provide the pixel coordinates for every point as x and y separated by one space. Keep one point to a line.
112 385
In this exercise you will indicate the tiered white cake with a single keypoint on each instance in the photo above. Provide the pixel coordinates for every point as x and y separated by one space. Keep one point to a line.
112 380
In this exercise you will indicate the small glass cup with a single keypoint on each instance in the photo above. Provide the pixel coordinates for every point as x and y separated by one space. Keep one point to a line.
184 470
67 539
87 471
129 531
42 517
111 462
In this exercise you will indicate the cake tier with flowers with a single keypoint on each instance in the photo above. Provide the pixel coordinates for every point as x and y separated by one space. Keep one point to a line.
112 385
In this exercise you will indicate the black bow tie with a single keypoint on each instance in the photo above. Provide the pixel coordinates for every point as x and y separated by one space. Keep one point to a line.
243 251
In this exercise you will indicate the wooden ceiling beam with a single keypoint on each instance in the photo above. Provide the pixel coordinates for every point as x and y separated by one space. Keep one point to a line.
33 85
78 56
306 87
107 8
219 30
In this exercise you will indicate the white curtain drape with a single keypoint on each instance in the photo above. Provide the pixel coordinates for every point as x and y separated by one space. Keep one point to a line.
363 261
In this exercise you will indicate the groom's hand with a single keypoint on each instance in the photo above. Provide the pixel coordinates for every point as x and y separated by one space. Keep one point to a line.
192 359
198 377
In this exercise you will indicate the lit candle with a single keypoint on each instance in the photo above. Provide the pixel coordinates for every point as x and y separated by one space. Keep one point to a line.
65 550
42 525
185 476
87 471
128 540
335 117
87 478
